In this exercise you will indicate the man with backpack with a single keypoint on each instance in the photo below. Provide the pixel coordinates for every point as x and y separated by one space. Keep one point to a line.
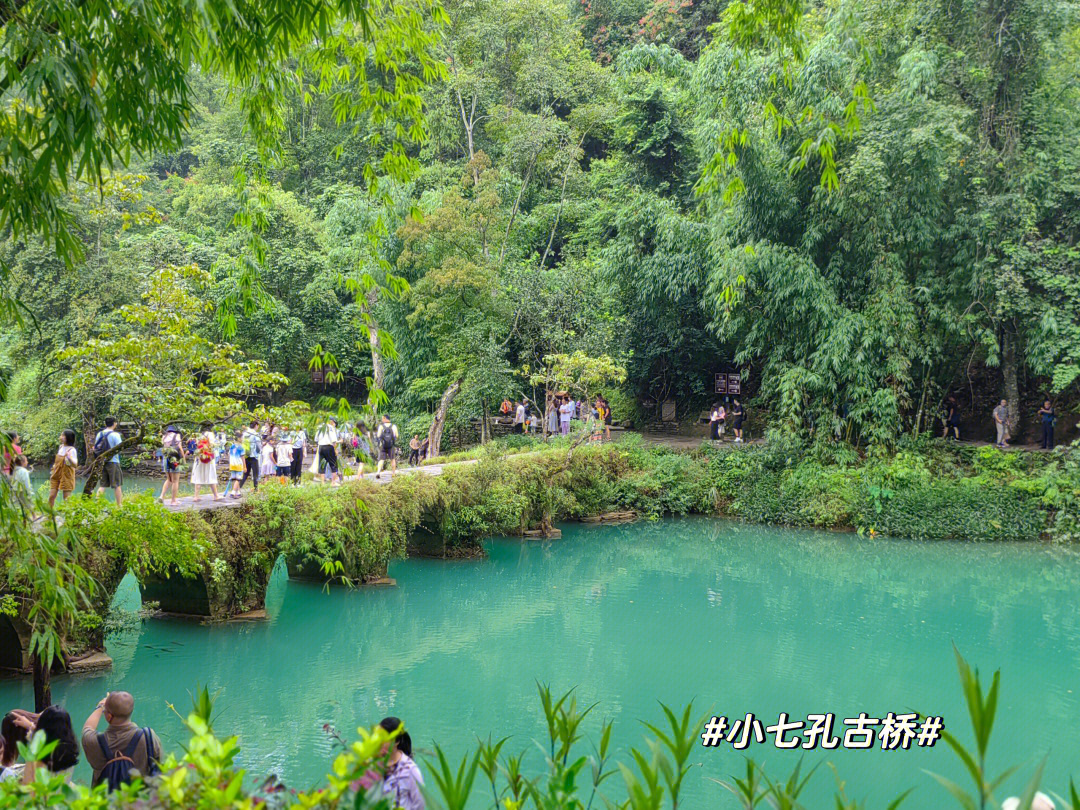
124 748
386 438
111 474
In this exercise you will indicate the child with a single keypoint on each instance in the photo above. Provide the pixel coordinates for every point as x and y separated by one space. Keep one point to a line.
62 475
268 467
20 481
236 465
283 456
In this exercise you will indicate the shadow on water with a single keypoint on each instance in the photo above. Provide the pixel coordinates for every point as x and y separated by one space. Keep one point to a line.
740 618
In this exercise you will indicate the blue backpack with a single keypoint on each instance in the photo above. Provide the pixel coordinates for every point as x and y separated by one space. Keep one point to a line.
118 767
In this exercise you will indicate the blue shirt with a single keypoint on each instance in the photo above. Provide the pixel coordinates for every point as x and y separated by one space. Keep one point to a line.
114 439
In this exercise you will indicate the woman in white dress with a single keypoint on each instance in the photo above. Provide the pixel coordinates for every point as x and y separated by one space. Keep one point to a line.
204 466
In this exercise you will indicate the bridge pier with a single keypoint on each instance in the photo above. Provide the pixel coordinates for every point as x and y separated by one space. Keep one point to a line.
310 570
14 643
201 597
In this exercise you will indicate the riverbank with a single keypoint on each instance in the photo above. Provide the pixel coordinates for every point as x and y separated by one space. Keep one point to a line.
216 564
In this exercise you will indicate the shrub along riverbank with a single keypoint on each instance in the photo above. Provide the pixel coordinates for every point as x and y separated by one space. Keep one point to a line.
926 490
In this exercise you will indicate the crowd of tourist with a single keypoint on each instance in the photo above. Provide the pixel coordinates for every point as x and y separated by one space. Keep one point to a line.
256 452
561 410
124 751
265 450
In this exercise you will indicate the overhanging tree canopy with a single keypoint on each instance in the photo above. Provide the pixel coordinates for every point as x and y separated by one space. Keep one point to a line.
161 370
89 84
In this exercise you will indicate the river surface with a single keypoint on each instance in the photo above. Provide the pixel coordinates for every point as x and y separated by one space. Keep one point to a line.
739 618
132 483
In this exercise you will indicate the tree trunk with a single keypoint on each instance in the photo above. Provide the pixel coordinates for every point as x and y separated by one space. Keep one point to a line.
99 461
558 214
549 403
42 686
517 206
562 198
435 434
469 121
377 367
485 428
89 420
1009 373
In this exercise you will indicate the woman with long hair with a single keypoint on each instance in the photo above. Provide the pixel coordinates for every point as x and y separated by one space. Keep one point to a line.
55 723
14 729
403 779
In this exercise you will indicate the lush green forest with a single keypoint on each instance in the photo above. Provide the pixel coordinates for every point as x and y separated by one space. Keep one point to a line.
871 213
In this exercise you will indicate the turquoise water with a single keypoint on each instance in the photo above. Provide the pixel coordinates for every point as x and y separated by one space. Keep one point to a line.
133 483
739 618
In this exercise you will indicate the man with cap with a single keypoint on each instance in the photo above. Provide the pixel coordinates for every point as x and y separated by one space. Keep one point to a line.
117 708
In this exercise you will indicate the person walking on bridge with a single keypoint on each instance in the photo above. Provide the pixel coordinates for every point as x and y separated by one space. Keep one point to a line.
299 444
111 474
252 441
327 439
62 475
386 440
204 468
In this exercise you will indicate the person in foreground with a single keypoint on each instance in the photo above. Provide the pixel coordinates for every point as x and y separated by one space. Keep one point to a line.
14 729
55 723
124 748
403 780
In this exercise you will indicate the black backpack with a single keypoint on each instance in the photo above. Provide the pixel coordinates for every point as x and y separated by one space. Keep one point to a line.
386 438
118 767
102 443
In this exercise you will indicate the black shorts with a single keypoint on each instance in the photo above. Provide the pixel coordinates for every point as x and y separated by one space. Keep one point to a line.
328 456
111 475
388 455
